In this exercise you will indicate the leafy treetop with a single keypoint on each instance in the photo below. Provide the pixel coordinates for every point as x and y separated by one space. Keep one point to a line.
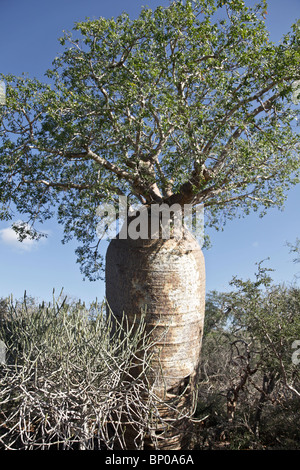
188 104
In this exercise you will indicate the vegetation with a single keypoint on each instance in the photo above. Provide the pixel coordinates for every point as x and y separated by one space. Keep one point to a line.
68 381
188 104
249 392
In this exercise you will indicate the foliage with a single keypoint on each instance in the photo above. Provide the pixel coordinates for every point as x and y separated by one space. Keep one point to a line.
191 103
250 385
70 378
295 248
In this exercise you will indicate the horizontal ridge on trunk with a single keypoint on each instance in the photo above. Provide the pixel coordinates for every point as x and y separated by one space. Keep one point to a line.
166 279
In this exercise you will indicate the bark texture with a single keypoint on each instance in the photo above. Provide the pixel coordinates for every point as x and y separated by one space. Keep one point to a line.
168 278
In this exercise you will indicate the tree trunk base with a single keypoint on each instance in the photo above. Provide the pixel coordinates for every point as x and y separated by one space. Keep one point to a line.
166 278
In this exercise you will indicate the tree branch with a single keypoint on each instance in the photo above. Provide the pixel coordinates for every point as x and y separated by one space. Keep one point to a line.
63 186
235 108
263 107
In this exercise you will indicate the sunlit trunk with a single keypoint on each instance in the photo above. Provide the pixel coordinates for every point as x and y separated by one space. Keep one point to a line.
168 278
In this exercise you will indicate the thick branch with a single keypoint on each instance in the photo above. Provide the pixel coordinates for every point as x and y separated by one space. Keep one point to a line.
188 191
135 180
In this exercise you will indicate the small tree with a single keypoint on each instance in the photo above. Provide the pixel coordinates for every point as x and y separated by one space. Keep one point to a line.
255 387
189 104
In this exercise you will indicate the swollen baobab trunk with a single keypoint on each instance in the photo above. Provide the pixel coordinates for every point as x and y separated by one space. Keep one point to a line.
168 278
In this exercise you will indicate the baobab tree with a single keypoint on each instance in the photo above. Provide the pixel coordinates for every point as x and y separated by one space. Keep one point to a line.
191 105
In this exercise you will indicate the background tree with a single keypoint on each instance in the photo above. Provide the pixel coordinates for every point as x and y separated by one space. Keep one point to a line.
252 394
189 104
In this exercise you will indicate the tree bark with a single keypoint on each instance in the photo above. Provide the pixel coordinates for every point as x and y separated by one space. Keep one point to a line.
167 277
269 381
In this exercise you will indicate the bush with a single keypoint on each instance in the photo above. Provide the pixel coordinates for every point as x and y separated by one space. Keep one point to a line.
249 392
69 377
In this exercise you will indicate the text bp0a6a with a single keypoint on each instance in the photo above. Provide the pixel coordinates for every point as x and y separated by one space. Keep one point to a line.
169 459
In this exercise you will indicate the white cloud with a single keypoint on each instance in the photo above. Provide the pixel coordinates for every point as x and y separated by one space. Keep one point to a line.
9 237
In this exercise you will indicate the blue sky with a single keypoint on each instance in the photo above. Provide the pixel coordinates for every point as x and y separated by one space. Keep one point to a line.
28 43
